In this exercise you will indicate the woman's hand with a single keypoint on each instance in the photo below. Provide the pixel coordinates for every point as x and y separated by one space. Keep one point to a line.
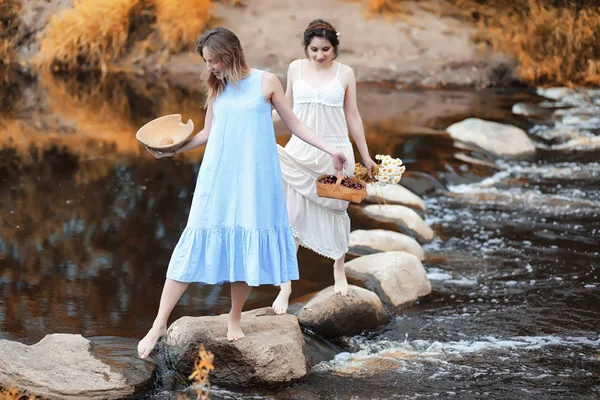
340 163
370 164
160 154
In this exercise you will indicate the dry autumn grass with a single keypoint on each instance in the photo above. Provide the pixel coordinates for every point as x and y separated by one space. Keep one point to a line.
14 394
9 24
199 377
180 22
556 42
89 35
93 34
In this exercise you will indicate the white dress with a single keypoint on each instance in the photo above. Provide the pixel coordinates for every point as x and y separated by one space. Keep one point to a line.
320 224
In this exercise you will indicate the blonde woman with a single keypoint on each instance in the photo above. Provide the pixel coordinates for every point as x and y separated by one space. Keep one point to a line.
238 229
322 93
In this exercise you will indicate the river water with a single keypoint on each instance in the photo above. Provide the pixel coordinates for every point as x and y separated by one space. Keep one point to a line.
88 221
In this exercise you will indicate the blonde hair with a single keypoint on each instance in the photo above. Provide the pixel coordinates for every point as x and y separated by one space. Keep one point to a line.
226 47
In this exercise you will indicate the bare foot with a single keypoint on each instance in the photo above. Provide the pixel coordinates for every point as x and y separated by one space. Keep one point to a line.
234 328
339 276
146 345
280 305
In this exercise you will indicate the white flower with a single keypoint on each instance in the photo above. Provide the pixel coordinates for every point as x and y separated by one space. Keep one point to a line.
391 170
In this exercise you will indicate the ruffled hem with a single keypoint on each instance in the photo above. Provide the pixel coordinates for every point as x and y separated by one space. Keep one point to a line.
235 254
305 242
317 228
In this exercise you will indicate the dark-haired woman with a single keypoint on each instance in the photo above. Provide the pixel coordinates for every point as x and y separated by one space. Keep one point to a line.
322 93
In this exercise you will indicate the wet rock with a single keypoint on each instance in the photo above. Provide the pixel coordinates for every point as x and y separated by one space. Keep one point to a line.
529 201
405 217
65 367
397 277
502 140
383 240
331 315
582 143
271 354
421 183
532 110
555 93
394 194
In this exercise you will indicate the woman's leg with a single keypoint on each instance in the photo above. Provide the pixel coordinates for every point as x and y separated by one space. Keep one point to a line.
280 305
239 294
171 294
339 276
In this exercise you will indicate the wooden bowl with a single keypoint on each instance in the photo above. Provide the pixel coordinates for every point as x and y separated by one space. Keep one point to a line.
166 133
337 191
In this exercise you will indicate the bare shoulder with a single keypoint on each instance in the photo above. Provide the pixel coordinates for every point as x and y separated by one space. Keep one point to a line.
294 65
293 69
270 82
270 78
346 75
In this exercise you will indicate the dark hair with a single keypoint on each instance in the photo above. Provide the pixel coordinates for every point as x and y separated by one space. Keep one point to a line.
320 28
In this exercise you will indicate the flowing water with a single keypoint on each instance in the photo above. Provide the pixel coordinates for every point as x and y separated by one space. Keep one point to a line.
88 221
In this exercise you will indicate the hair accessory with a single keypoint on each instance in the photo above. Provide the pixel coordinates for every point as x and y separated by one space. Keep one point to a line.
320 25
337 34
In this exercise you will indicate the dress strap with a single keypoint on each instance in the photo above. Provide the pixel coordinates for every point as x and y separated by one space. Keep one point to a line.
337 74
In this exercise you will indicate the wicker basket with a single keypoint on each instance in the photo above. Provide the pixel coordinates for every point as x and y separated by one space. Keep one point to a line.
166 133
337 191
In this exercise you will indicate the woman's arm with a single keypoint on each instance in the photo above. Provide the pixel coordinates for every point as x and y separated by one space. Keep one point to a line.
274 92
289 90
354 121
198 140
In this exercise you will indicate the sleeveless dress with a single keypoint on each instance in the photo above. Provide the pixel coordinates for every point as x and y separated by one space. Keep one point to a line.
238 228
320 224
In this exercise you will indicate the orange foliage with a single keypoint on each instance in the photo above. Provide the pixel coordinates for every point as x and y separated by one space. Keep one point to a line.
556 42
89 35
9 24
14 394
181 21
94 34
202 368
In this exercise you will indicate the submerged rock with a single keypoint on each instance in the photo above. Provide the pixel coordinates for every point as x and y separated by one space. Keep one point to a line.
532 110
397 277
271 354
65 367
331 315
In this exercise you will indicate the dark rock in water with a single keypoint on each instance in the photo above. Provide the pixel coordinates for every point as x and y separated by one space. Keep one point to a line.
318 348
421 183
71 367
271 354
331 315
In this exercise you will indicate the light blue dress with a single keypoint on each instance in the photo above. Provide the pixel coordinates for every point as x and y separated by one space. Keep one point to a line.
238 228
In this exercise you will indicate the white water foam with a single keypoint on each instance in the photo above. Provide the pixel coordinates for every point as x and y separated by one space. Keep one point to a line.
412 351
